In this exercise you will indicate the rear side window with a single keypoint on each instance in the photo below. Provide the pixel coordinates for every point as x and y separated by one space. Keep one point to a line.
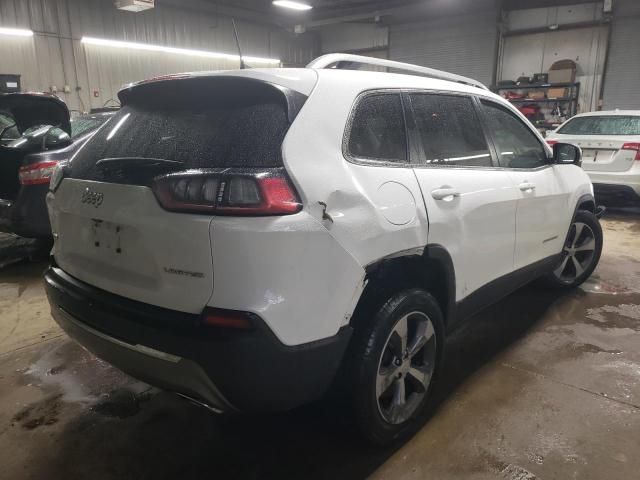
378 129
449 131
602 125
8 129
206 123
86 124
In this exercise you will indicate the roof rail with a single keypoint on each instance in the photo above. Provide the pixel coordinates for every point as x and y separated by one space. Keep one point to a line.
326 61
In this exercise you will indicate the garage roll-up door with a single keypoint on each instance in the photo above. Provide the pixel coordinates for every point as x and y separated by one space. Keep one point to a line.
622 77
464 44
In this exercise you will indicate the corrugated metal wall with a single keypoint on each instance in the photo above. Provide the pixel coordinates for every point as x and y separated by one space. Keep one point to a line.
463 44
349 37
55 56
622 76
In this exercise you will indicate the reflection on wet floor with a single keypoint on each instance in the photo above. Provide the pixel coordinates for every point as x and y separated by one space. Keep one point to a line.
541 385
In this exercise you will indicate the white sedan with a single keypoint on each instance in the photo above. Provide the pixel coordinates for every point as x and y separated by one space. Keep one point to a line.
610 143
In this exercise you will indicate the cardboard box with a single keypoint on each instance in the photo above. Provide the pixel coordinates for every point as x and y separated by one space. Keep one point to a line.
536 94
558 92
563 71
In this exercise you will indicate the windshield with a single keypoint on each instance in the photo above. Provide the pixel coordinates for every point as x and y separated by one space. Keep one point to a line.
602 125
86 124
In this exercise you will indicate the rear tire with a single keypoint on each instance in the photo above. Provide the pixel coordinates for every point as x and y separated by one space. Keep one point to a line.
395 361
580 254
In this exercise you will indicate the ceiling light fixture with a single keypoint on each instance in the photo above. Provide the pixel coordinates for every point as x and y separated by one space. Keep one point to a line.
19 32
179 51
292 5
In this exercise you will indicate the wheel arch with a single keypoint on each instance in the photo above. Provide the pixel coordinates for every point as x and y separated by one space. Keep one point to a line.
431 269
585 202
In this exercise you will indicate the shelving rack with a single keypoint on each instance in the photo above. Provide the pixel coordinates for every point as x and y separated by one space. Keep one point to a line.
571 99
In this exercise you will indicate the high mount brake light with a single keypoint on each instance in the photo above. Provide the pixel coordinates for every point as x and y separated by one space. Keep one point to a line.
241 193
633 146
36 173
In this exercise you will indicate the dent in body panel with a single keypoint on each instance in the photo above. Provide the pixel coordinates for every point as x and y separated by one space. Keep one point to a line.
312 154
288 270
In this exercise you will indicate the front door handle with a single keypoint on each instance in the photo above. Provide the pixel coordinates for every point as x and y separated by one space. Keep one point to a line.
445 192
527 186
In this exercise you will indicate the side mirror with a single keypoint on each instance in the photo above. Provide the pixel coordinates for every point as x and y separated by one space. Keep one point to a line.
56 138
567 153
42 138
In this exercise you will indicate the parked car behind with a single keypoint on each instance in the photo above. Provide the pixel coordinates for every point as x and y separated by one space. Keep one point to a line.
610 144
45 136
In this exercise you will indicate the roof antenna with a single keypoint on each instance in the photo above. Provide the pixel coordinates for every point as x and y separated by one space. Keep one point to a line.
235 32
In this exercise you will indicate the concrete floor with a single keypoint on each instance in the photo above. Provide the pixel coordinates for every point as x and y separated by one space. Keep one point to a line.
540 386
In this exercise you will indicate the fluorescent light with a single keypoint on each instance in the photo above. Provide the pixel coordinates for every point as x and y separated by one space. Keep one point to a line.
292 5
19 32
179 51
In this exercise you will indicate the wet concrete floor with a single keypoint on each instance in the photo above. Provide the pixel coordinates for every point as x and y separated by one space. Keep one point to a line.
540 386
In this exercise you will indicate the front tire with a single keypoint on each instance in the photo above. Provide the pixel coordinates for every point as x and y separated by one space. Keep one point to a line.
580 254
396 359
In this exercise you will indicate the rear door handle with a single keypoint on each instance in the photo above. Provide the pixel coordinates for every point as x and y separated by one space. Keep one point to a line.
445 193
527 186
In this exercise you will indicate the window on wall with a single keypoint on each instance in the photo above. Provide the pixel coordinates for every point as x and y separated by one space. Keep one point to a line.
449 130
516 144
378 129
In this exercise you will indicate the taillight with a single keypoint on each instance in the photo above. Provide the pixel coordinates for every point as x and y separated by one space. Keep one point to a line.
37 173
552 142
633 146
242 192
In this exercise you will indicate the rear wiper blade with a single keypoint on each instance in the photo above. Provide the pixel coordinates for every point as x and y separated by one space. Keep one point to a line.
134 163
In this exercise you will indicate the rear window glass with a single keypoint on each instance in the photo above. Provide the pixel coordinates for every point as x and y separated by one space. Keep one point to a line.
204 124
603 125
377 129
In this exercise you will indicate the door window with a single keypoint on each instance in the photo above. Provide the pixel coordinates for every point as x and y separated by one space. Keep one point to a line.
449 131
378 130
515 143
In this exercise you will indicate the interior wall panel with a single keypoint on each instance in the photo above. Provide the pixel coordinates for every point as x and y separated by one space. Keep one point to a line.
349 37
55 56
622 76
463 44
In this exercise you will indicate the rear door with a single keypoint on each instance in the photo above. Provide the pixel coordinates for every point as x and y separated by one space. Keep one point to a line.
111 229
543 192
471 204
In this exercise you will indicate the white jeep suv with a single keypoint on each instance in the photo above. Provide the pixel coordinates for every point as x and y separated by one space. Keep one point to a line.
250 238
610 141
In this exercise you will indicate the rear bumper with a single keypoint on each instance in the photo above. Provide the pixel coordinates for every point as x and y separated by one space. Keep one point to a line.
629 178
229 371
616 193
27 215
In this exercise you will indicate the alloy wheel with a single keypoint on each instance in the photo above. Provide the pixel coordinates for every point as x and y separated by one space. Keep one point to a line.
578 253
406 367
